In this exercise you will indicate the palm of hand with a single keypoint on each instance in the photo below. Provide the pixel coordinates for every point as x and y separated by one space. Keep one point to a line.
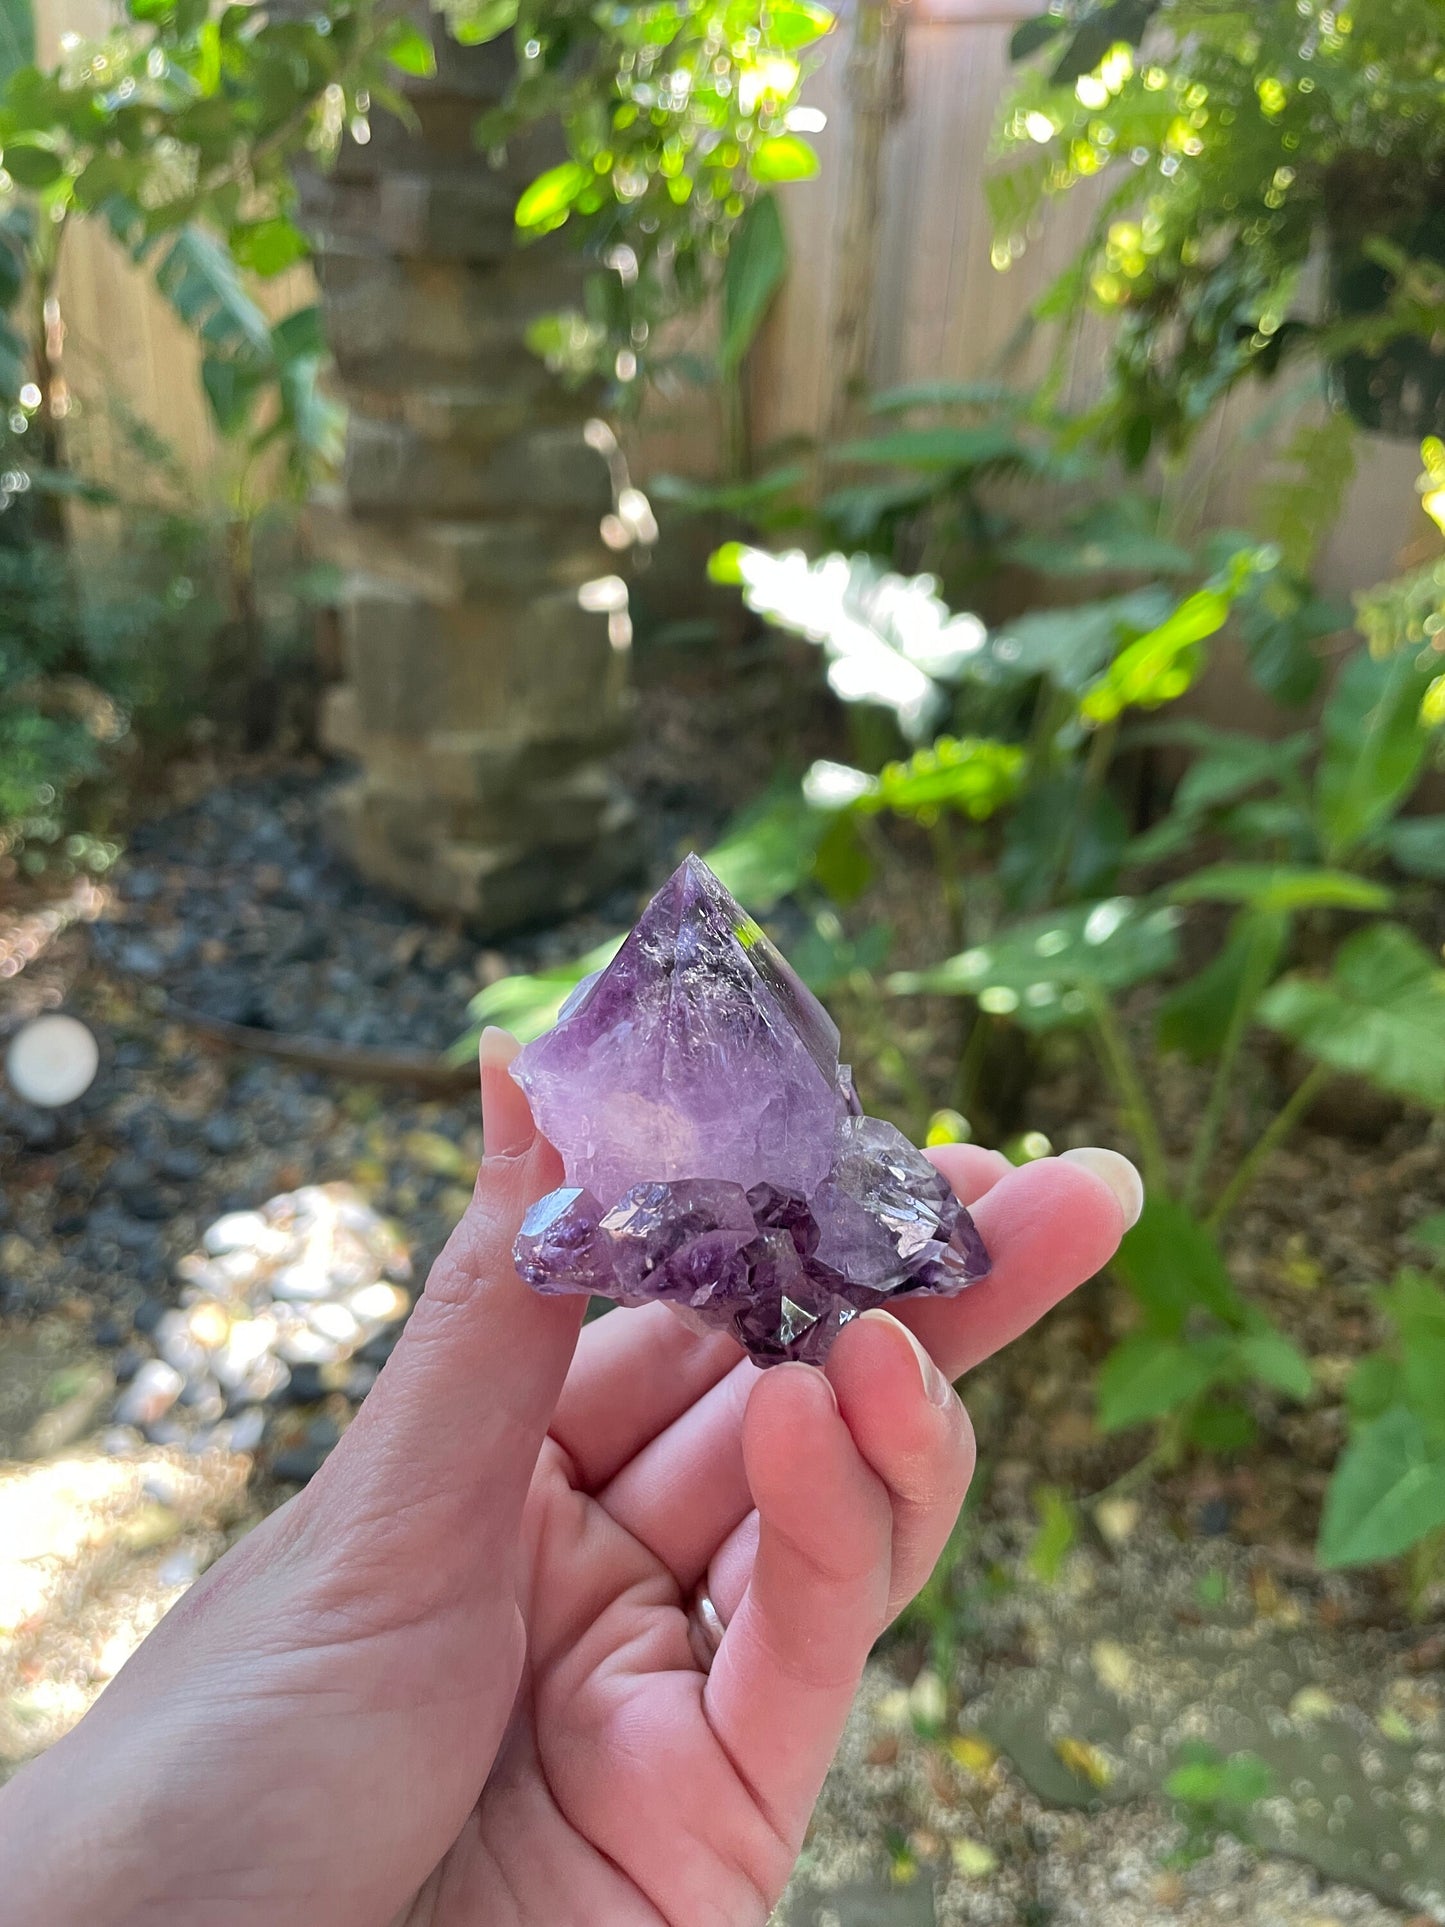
611 1799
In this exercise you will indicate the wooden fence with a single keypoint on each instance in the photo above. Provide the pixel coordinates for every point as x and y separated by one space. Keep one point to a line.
938 308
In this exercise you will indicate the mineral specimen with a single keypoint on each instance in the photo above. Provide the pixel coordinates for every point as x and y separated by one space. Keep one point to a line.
714 1148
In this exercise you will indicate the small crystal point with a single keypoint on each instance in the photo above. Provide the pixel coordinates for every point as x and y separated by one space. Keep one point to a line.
716 1153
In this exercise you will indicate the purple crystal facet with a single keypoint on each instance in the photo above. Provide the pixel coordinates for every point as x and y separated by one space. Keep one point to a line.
698 1051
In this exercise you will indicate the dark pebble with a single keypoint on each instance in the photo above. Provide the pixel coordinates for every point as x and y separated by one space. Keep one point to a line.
222 1135
306 1386
181 1165
108 1332
126 1364
148 1314
1213 1518
300 1464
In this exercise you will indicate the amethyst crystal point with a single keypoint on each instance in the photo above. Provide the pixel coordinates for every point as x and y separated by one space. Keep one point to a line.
716 1154
696 1051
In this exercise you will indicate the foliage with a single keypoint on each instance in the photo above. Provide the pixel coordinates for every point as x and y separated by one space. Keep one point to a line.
1232 147
1387 1495
1213 1795
679 122
176 129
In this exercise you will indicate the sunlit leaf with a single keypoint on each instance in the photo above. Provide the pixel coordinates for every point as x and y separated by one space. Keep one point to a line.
409 50
782 157
547 203
798 23
1161 665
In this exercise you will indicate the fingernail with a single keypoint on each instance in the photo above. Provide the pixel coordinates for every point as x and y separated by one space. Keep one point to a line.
935 1385
497 1048
1118 1173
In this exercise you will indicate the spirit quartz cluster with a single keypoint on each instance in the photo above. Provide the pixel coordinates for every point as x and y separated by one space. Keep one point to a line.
715 1151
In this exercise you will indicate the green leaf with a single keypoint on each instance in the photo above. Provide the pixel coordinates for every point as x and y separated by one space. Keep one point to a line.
1161 665
1373 747
1118 534
1030 35
974 776
798 23
1269 1356
1055 1537
941 448
1061 841
1380 1013
782 157
17 37
1070 646
1195 1017
472 23
993 395
409 49
1387 1493
766 854
32 166
1417 845
1416 1305
198 277
1375 1384
527 1004
547 203
1173 1267
1281 887
1148 1377
268 247
1230 764
757 263
1042 972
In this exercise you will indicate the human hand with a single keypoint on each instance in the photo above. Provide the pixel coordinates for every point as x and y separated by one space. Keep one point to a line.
454 1681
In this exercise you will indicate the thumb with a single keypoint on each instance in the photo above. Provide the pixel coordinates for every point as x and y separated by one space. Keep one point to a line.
435 1468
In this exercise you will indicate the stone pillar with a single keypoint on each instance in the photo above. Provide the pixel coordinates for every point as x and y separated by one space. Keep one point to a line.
482 696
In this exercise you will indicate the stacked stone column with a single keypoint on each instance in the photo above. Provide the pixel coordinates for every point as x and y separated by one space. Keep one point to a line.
486 681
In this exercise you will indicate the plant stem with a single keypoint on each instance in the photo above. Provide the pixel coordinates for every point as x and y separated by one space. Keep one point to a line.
1267 1143
1256 967
1120 1063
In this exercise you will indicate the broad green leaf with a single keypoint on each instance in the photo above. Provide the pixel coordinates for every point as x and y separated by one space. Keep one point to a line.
825 957
1195 1017
1161 665
1281 887
1387 1493
798 23
1061 842
197 276
1030 35
1373 747
766 854
473 22
547 203
1230 764
757 263
527 1004
1430 1232
268 247
1416 1305
1147 1377
942 447
31 165
1172 1266
1071 646
974 776
1417 845
1380 1013
1269 1356
782 157
1119 534
1043 971
409 50
1375 1384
